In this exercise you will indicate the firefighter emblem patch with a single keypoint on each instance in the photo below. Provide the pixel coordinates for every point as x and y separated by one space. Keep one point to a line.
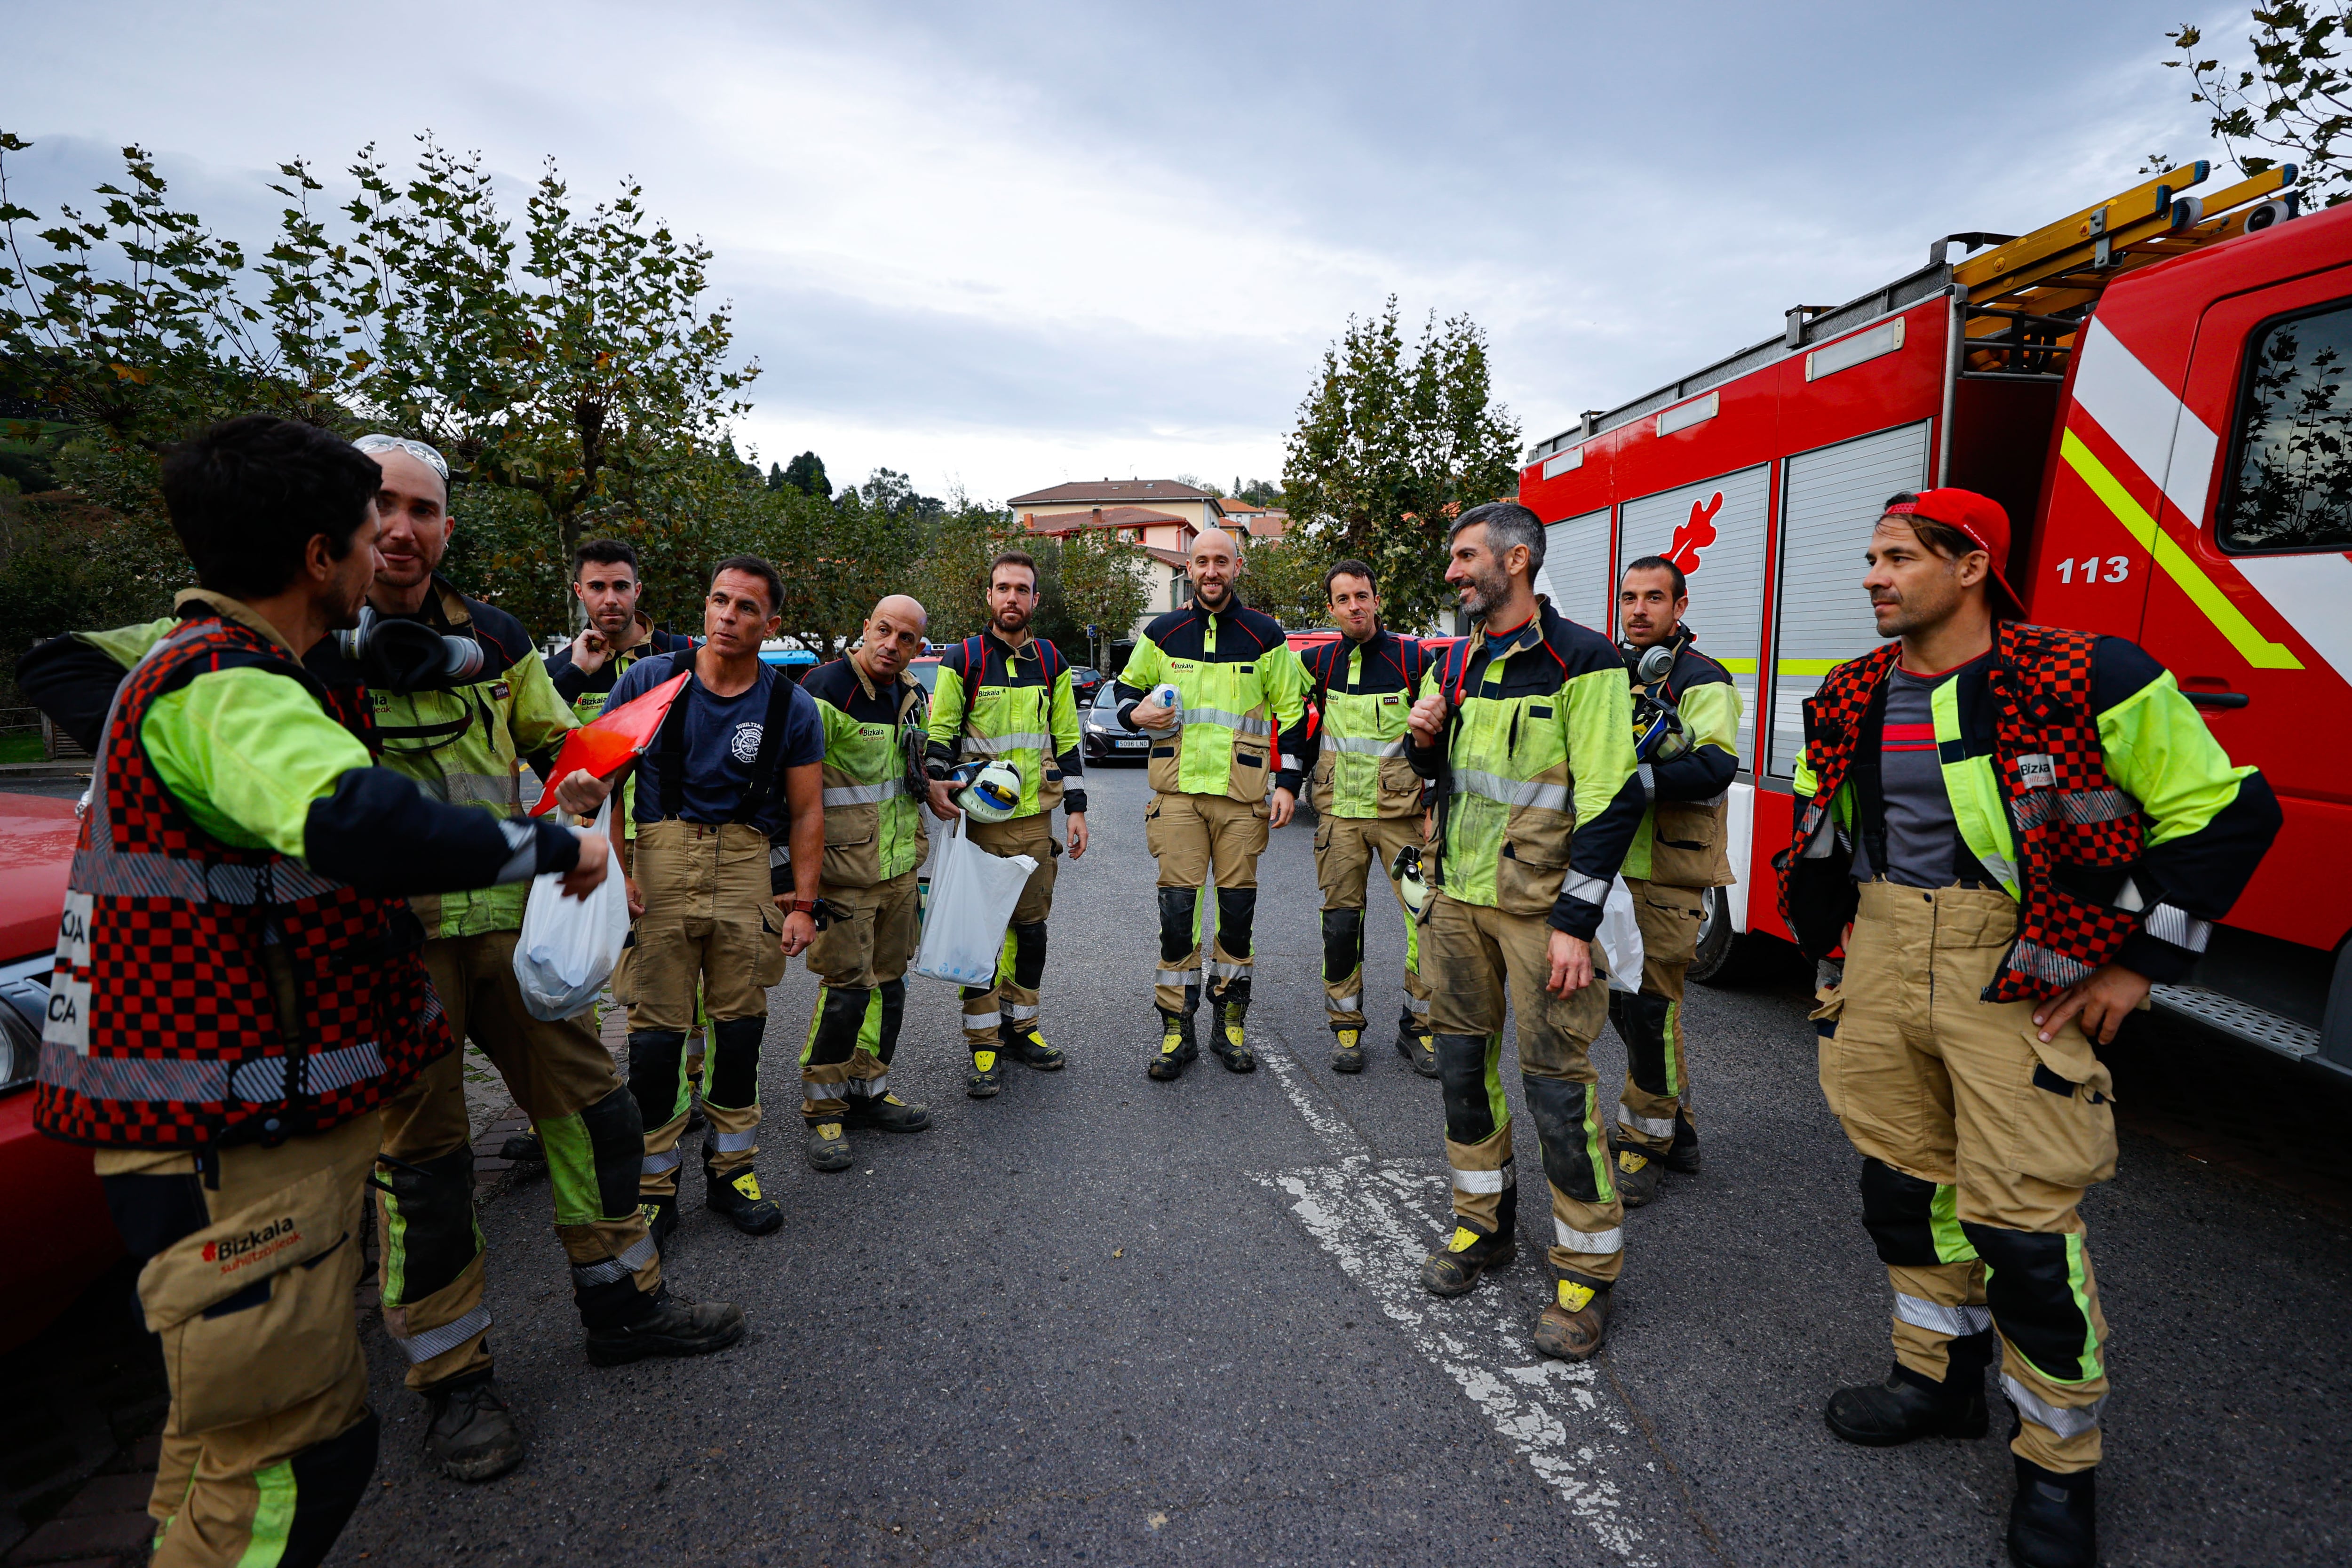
744 745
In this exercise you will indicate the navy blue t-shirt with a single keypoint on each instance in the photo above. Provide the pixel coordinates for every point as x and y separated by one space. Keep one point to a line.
722 741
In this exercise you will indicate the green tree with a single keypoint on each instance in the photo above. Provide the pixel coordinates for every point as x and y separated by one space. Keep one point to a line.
2291 96
807 475
1285 579
1102 583
1392 442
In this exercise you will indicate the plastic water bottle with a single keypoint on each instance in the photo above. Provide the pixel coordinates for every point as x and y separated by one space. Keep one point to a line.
1165 694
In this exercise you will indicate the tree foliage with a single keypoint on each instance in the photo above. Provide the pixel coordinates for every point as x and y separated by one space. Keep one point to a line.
1285 579
568 362
1100 582
1392 442
2290 96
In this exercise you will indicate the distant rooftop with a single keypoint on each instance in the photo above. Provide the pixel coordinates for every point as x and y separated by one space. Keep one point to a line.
1102 517
1102 492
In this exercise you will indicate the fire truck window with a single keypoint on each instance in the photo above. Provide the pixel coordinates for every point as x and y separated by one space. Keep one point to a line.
2290 479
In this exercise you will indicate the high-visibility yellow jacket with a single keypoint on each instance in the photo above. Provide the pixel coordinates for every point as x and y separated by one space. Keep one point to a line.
1242 692
465 744
1537 794
995 700
1679 843
873 827
1363 692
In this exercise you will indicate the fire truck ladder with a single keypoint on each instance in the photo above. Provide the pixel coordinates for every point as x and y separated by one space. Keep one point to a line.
2028 296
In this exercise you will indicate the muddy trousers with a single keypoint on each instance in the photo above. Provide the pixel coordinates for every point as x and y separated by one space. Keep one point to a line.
562 1077
270 1443
992 1012
860 960
704 952
1350 851
1657 1057
1978 1140
1192 835
1482 961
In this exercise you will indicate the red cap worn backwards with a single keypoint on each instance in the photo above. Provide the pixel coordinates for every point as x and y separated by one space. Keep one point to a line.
1981 518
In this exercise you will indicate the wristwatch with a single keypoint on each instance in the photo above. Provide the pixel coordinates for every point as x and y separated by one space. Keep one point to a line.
804 906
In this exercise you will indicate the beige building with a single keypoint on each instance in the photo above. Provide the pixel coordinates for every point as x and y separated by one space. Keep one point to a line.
1160 516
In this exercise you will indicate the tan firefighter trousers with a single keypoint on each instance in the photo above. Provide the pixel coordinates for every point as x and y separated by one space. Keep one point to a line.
1482 960
1011 1004
562 1077
1349 853
860 960
270 1443
1978 1141
712 930
1192 835
1650 1022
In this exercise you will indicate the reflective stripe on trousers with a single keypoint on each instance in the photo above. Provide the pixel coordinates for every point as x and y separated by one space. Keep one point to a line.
1957 1321
1601 1243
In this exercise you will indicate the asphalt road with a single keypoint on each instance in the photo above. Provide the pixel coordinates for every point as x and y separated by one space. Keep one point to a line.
1099 1318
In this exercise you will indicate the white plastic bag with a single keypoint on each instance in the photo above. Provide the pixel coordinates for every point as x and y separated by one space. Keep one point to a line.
568 946
1620 936
972 897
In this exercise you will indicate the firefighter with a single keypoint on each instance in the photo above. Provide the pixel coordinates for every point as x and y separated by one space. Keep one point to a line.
876 736
1006 695
1686 734
235 898
459 695
1528 738
1368 805
1238 716
604 580
732 770
2013 830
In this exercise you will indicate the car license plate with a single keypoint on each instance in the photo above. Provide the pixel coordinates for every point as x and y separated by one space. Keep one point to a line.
1134 745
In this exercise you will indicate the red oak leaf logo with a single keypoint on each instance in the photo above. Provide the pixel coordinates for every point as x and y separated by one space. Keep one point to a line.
1694 535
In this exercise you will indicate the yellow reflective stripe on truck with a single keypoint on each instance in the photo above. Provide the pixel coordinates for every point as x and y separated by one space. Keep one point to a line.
2203 592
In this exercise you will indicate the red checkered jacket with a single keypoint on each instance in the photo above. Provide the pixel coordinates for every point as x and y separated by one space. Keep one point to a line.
2074 830
175 950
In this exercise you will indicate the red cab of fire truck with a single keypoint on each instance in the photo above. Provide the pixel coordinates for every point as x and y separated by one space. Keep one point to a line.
2159 389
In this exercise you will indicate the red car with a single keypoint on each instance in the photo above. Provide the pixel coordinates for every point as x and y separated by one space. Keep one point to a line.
55 1211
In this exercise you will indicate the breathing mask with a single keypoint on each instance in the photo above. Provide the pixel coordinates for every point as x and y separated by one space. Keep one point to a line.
403 655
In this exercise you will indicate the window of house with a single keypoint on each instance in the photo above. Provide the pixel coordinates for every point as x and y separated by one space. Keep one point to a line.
2290 485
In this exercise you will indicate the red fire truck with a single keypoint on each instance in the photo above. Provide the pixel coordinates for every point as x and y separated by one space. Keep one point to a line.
2159 389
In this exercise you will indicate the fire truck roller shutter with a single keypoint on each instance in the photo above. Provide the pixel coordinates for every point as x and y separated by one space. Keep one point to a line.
1831 497
1719 545
1576 570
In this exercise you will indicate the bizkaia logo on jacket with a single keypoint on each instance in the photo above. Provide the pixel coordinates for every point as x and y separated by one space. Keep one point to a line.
235 1252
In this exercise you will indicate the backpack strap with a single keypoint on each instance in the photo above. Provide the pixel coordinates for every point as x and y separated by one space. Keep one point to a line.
669 745
771 754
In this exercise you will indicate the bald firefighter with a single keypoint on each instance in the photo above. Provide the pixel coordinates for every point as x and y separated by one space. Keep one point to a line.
1216 688
876 731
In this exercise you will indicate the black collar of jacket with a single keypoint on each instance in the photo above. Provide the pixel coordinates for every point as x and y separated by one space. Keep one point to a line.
993 643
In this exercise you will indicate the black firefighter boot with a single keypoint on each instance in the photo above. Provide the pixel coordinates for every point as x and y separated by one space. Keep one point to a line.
1226 1014
2053 1519
1178 1047
674 1327
1910 1405
738 1197
1571 1327
1682 1159
1416 1045
470 1434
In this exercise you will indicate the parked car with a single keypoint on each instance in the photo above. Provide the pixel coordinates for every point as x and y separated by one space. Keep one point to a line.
926 671
55 1211
1085 682
1105 738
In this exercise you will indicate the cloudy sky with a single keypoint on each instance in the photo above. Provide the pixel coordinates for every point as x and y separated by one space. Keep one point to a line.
1000 245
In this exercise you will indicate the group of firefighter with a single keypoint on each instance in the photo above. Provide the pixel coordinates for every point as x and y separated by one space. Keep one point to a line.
305 862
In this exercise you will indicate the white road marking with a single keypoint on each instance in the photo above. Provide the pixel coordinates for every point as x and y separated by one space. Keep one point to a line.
1378 1223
